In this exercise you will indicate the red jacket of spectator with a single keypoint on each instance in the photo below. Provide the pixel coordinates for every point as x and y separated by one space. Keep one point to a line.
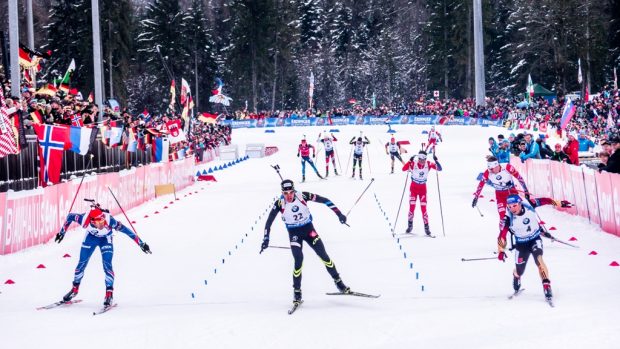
572 150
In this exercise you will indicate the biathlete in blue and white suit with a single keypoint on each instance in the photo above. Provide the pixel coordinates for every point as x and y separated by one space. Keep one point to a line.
522 222
296 216
98 225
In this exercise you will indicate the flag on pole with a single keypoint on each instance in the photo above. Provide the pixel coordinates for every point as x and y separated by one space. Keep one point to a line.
185 90
567 113
311 88
66 79
530 87
579 76
587 95
615 79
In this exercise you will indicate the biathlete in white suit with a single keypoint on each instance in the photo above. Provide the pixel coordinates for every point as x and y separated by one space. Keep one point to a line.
358 152
328 142
392 148
293 206
522 222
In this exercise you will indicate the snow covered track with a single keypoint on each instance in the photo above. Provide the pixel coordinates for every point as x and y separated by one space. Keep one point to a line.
175 298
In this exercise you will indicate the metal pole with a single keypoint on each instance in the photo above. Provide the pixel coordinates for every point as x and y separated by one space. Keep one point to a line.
479 54
30 24
96 55
14 46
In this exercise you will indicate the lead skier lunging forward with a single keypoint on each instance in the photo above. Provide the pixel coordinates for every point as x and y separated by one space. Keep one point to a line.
296 216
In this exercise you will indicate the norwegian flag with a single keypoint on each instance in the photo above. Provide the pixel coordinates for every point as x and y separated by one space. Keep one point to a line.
76 120
53 140
7 138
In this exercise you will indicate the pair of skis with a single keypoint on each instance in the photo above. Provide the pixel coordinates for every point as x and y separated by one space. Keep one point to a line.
411 235
297 304
104 309
549 300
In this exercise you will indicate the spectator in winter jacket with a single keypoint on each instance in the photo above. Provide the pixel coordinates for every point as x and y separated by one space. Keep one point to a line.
492 145
514 144
503 152
572 149
559 155
585 144
613 164
531 149
545 150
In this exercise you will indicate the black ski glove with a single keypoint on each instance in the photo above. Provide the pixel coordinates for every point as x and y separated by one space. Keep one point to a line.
265 243
342 218
145 248
60 235
475 202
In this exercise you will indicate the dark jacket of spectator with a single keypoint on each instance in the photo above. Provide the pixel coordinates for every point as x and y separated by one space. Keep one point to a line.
613 164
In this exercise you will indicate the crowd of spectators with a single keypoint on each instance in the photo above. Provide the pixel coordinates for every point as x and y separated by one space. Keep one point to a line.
68 107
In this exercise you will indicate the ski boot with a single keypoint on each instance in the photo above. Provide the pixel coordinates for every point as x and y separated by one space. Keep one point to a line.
335 171
341 286
392 171
353 175
409 227
108 298
427 229
327 173
74 291
361 175
516 283
547 289
303 178
296 296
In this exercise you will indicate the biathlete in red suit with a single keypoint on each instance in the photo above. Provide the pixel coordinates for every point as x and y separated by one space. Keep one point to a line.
501 178
433 136
419 174
304 150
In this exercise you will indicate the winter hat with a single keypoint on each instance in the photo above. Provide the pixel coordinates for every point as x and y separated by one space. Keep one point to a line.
287 184
513 199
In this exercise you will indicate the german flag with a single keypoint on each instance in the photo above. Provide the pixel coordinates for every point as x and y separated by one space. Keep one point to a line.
36 116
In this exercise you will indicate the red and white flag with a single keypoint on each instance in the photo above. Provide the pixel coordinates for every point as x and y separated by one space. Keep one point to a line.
175 132
53 140
7 138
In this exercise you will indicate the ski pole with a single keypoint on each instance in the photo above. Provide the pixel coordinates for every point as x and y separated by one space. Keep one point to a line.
282 247
401 203
277 168
81 181
477 259
362 194
368 155
125 214
349 161
440 204
338 158
548 235
481 215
